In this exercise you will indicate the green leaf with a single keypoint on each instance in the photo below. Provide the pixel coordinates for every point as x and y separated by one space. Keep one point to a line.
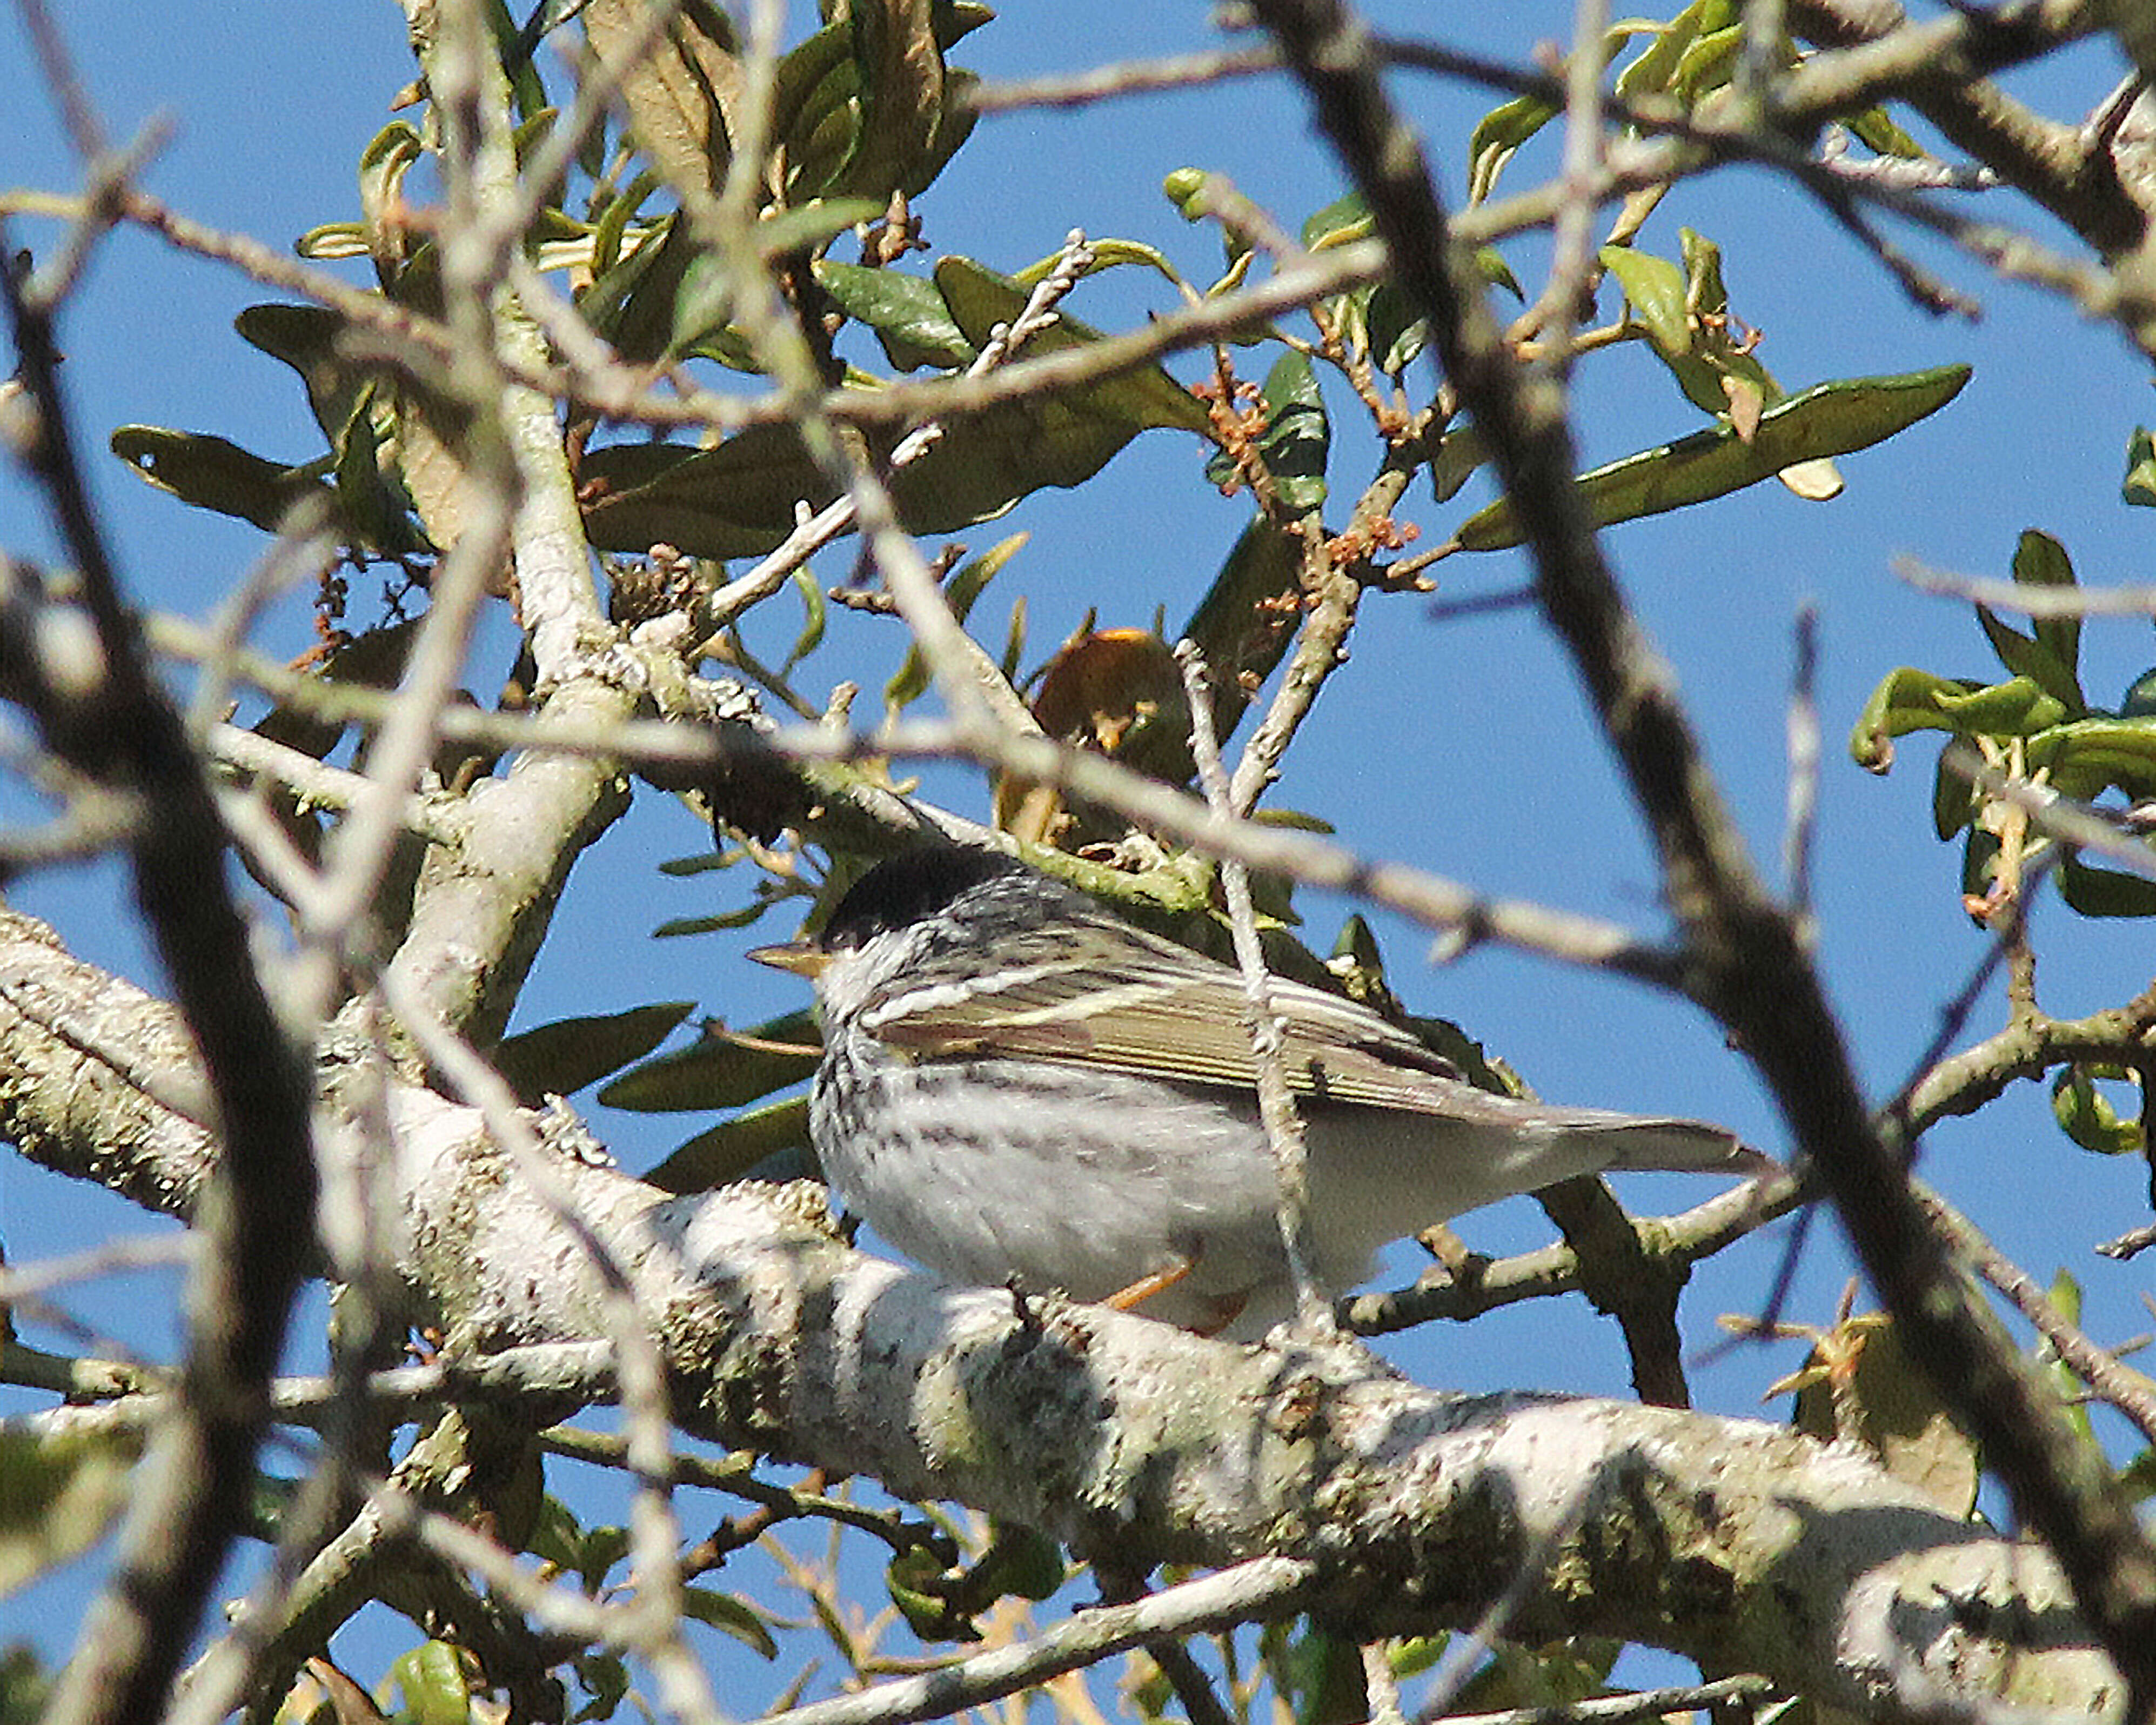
1829 419
525 86
823 129
910 680
1979 856
1705 64
1239 626
2140 483
1490 265
334 242
1953 800
722 1069
800 92
917 1583
1020 1561
735 1147
813 225
1297 438
718 922
435 1689
906 312
1183 187
2140 701
676 94
2029 658
2065 1294
2090 891
2053 655
814 614
612 227
1107 254
563 1057
1877 1396
1877 130
1654 289
632 304
305 338
731 501
1398 331
1655 69
704 302
1684 312
900 143
2086 1115
1297 435
2085 757
390 441
1461 453
737 1616
376 441
1909 699
738 499
1145 396
57 1496
1497 139
374 504
210 473
1346 220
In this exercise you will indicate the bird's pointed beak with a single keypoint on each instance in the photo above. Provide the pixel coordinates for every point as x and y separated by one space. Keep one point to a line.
803 958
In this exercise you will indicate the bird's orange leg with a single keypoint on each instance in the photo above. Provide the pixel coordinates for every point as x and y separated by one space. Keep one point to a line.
1145 1287
1226 1307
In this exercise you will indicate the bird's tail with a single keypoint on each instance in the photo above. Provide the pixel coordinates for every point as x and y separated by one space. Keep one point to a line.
1674 1146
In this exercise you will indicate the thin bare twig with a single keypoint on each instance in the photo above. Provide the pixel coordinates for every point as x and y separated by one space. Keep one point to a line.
1262 1588
1800 820
2132 1392
2030 601
1276 1107
836 517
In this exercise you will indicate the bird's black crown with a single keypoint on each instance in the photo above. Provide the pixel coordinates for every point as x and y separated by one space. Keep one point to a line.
899 892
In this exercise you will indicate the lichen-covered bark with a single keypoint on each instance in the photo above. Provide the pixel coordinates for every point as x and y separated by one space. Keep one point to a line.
1733 1541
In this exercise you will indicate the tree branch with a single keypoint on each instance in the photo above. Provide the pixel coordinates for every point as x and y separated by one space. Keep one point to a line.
1112 1432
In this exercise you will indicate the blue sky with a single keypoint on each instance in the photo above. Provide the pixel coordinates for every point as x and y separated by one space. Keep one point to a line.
1460 745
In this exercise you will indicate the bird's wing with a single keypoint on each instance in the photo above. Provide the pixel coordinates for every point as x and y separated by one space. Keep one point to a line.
1106 995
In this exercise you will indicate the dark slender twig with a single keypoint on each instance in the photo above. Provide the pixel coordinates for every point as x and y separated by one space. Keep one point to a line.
1616 1709
1638 1287
122 730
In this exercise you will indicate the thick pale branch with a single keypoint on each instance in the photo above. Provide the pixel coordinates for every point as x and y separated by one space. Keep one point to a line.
1116 1433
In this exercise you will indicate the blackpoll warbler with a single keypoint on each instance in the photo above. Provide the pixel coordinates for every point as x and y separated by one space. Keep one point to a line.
1017 1086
